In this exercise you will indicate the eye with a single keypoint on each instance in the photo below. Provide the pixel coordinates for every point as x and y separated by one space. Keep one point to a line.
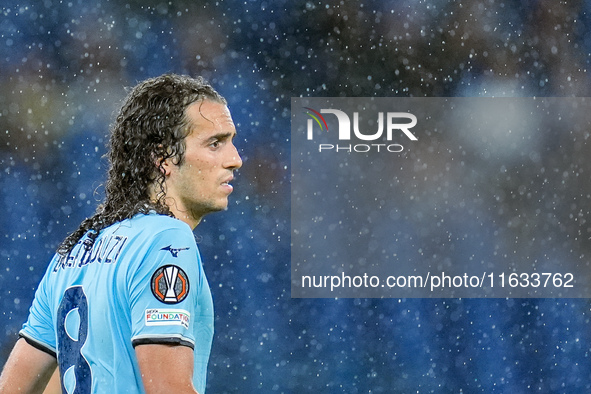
215 144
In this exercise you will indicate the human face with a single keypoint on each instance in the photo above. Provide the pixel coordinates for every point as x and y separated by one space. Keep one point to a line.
201 183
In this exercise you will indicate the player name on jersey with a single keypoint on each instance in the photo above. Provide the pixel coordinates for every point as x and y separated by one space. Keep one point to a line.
106 251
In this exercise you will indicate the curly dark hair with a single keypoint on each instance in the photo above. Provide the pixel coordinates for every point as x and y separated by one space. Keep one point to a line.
150 128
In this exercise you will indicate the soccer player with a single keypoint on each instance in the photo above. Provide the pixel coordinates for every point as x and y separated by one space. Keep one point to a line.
125 305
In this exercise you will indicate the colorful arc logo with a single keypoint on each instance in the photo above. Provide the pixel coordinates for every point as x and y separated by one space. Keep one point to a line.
316 115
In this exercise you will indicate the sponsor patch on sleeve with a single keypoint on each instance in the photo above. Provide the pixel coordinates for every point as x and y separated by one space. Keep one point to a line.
167 317
170 284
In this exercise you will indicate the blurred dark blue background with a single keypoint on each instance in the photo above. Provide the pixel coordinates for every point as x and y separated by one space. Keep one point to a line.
63 69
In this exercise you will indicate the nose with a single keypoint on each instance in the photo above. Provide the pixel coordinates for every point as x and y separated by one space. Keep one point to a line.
233 161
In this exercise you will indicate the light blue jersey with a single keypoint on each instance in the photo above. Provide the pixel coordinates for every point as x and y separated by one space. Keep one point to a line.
142 282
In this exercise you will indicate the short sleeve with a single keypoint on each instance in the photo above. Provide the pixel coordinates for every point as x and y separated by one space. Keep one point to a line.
39 330
164 288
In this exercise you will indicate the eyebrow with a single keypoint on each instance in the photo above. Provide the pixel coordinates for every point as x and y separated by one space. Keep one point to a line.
222 135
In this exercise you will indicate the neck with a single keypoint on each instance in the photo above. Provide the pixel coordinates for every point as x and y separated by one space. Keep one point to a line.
178 212
183 214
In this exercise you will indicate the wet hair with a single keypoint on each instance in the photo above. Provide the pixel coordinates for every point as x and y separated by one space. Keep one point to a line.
151 127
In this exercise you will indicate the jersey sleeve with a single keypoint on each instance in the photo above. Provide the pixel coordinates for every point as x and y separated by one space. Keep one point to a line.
39 330
164 289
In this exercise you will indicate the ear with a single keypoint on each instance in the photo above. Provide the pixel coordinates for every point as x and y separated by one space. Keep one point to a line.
166 166
162 165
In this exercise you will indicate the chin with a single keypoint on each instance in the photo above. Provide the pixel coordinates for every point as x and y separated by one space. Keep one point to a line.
218 207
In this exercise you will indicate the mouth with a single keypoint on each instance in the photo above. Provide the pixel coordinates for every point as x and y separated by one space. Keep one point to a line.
227 184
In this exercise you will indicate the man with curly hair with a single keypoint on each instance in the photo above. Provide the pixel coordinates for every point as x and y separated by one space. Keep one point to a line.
125 305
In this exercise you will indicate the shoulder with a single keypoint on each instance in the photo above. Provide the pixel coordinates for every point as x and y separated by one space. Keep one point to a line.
154 224
154 219
159 232
143 233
